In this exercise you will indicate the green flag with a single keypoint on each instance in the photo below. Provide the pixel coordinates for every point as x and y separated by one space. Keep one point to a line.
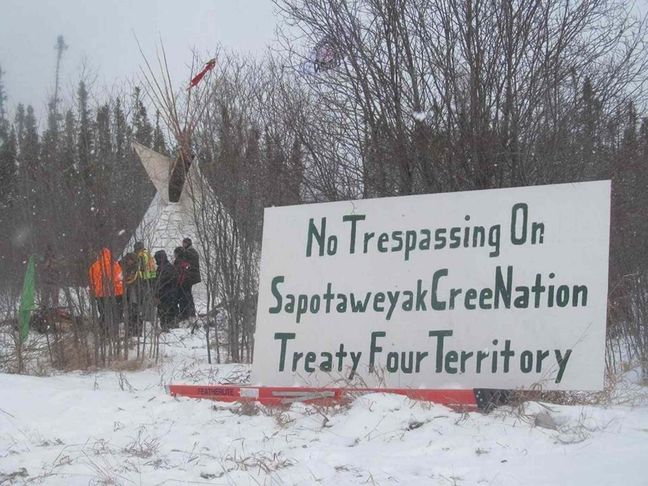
26 300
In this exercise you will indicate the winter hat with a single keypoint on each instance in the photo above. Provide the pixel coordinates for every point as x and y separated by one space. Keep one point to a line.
160 257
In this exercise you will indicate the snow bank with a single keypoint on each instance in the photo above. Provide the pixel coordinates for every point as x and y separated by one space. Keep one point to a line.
122 428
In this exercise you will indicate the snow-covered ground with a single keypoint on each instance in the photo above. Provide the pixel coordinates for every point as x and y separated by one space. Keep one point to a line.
122 428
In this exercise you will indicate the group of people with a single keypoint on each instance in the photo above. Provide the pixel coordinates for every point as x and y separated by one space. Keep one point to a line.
138 282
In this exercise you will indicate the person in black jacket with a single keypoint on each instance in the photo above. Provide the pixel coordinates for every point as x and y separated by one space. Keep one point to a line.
192 275
166 291
181 267
134 295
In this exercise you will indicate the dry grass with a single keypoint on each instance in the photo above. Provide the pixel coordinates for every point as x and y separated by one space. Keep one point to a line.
615 392
280 415
68 354
244 408
265 462
121 365
13 477
143 445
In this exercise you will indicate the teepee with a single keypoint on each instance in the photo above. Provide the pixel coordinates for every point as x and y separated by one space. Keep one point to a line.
165 222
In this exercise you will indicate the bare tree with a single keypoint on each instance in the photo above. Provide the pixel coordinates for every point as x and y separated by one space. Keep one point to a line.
433 96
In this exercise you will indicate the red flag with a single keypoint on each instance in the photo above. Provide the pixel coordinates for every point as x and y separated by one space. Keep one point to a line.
208 67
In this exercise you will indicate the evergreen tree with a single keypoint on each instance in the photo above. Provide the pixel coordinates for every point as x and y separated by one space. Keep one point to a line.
84 138
69 147
29 146
103 136
8 168
7 185
159 145
19 123
120 131
70 181
27 187
630 130
142 130
275 172
643 141
7 150
125 171
50 140
50 145
589 124
296 171
4 123
103 162
7 182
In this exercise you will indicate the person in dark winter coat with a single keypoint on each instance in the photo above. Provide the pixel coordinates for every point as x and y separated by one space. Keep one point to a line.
133 293
181 266
166 291
192 276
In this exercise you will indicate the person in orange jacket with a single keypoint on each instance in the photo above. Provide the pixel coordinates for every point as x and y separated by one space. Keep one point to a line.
107 286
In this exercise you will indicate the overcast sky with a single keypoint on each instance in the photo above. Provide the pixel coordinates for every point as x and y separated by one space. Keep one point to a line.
101 36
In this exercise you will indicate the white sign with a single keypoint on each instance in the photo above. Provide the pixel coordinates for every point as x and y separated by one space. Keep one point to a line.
502 288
